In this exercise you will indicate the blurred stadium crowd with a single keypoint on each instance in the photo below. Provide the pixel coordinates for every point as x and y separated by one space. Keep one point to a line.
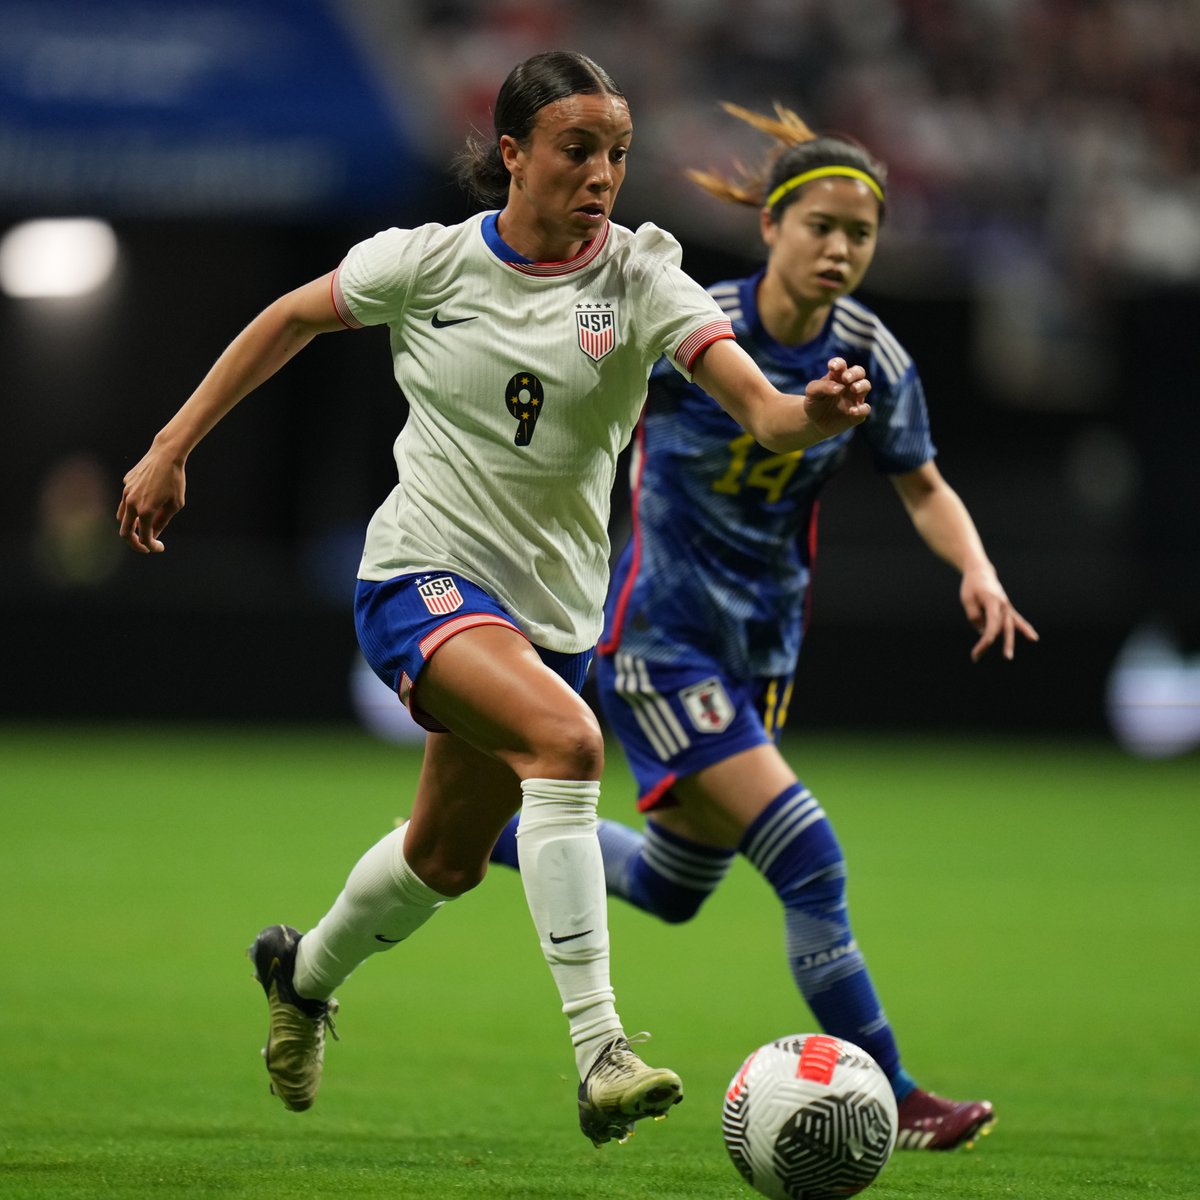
1062 129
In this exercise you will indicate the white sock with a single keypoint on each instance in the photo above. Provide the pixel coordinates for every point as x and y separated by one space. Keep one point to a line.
563 875
382 903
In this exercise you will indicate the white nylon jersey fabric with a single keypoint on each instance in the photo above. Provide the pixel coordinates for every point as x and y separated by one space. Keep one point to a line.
528 523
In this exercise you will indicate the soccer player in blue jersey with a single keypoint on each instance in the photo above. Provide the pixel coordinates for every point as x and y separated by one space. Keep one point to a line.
707 606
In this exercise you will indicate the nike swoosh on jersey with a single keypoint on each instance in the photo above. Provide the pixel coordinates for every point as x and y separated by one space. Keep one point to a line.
438 323
390 941
568 937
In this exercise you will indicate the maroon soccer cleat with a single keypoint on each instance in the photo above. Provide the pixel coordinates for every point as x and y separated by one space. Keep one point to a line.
929 1122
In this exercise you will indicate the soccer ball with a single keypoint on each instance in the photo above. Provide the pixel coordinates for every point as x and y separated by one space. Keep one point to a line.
809 1117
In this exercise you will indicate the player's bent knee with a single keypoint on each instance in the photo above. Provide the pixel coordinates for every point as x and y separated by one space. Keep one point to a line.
571 747
453 881
449 877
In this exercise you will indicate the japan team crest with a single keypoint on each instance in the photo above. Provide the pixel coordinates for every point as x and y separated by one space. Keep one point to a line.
597 328
441 596
707 705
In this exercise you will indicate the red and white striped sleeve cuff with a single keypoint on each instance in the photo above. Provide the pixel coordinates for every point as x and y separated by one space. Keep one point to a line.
690 347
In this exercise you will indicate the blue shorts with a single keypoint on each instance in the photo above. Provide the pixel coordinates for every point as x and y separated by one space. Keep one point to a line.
403 620
673 721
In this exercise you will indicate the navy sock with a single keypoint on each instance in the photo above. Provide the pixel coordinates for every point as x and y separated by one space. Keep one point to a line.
793 845
661 872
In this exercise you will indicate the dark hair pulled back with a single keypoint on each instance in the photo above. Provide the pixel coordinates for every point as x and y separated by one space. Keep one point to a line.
531 85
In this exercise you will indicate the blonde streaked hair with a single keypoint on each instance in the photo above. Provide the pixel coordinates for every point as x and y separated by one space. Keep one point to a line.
799 156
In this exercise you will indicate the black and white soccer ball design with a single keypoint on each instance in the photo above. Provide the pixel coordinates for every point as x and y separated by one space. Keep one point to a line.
809 1117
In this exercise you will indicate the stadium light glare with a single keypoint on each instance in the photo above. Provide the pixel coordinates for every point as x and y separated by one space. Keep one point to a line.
57 257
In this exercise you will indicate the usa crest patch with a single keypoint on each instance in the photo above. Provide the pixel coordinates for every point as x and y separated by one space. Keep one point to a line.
441 596
707 705
596 325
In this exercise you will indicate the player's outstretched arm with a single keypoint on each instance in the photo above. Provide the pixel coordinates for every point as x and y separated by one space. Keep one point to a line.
940 517
779 421
155 488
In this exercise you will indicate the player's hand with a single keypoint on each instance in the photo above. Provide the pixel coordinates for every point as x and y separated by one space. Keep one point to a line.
153 494
837 401
992 615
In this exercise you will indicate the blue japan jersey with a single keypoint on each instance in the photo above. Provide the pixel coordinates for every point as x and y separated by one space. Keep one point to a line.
724 530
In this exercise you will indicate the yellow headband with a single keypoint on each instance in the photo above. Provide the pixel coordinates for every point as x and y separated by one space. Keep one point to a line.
820 173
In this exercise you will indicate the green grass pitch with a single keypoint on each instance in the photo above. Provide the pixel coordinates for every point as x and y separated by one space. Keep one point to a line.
1030 912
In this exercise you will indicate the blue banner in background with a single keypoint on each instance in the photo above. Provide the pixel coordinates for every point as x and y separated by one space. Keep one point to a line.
195 108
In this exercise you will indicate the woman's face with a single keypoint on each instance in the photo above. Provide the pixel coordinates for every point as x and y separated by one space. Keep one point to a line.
567 175
822 245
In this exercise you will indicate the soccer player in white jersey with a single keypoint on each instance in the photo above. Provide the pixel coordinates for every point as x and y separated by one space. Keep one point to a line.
709 599
522 339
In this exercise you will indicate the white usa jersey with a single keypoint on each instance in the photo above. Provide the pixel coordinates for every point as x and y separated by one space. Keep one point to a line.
524 382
